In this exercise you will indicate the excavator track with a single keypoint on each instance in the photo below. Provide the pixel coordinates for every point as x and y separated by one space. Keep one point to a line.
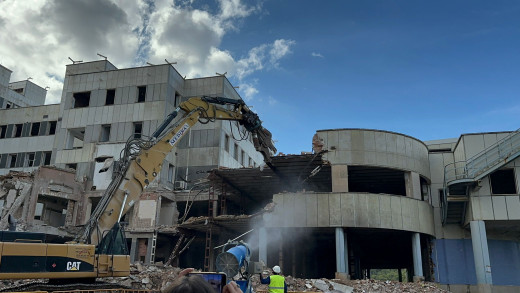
45 287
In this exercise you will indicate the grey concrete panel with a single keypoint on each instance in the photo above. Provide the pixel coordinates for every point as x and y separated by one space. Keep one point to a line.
311 202
149 93
385 212
406 212
374 214
163 92
391 143
323 210
369 141
119 96
146 127
43 128
88 134
96 132
300 214
129 130
125 99
289 201
499 207
361 202
121 131
348 209
335 210
486 208
113 132
132 94
395 205
380 138
513 207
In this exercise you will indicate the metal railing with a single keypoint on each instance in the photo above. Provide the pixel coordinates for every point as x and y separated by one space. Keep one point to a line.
481 164
501 152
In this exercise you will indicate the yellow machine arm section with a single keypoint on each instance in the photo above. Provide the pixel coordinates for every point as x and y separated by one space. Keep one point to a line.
142 160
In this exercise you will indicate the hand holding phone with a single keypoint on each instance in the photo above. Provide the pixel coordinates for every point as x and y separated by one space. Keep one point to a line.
216 280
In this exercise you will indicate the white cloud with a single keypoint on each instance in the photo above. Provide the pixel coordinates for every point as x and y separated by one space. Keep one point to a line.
280 49
314 54
38 37
248 90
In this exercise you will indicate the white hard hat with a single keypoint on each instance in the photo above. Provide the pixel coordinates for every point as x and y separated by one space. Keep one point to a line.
276 269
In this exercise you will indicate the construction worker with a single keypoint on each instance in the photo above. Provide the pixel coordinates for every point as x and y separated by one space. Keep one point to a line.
276 281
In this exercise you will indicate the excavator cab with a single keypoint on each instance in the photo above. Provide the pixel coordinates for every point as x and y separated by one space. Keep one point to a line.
114 241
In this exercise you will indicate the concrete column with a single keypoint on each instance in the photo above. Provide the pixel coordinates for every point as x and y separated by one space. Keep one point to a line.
341 254
133 250
412 185
417 258
262 243
148 258
481 255
339 175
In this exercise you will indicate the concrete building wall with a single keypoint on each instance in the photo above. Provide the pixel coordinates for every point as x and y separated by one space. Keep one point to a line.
355 210
375 148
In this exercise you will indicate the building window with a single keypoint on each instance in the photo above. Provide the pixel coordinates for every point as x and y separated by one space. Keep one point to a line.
81 99
226 142
503 182
170 173
243 158
73 166
111 95
30 159
177 100
235 152
11 160
138 129
3 131
47 158
20 90
105 133
52 127
18 130
35 128
141 94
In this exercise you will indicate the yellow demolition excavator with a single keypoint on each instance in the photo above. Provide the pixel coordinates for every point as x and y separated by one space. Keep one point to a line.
101 249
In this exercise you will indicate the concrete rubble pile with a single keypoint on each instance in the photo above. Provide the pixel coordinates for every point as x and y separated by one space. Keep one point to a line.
157 277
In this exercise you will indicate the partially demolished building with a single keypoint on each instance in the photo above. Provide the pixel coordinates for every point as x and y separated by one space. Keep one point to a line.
445 210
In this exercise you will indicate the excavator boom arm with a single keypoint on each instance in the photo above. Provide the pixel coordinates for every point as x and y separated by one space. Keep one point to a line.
144 164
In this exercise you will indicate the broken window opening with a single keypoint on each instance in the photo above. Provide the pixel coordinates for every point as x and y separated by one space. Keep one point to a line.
177 99
503 182
235 152
3 131
18 130
47 158
226 142
8 106
376 180
53 210
138 129
52 127
81 100
30 159
141 95
20 90
75 139
105 133
111 94
243 158
12 160
73 166
170 173
35 129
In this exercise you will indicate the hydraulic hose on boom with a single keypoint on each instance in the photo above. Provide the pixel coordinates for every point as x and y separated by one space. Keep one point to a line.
141 160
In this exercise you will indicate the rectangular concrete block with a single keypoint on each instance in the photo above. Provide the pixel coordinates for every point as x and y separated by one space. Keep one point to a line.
361 201
513 207
486 208
499 207
397 219
323 210
348 210
385 211
311 203
289 200
374 214
335 210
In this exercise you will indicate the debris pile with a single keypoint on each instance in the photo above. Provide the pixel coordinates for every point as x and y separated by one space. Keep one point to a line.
159 278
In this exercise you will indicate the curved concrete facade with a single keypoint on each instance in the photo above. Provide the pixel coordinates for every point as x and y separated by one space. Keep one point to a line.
356 210
375 148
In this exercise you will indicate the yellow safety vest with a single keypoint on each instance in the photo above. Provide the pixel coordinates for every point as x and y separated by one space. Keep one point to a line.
277 284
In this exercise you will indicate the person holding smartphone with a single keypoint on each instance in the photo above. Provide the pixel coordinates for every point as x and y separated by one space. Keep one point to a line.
276 281
186 283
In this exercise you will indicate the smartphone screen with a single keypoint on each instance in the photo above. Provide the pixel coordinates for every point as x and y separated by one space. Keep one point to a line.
216 280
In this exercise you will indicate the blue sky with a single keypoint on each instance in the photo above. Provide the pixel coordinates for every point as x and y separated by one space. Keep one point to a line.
428 69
